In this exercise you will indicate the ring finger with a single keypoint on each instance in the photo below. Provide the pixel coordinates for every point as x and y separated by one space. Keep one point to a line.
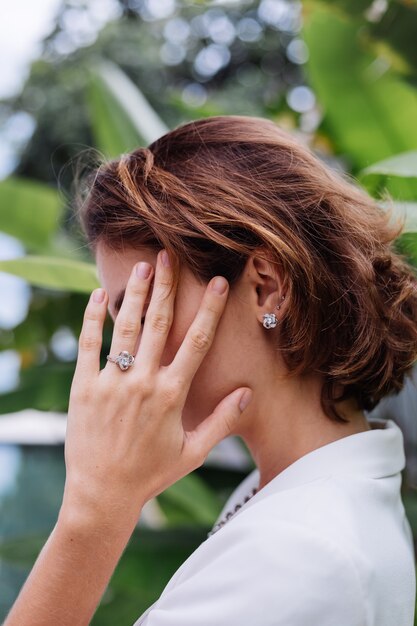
128 321
159 316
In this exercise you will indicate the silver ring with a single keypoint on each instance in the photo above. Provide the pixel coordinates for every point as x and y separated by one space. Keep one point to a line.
124 360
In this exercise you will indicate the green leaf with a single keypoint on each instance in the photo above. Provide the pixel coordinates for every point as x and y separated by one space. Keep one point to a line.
368 110
54 273
30 211
113 132
407 210
22 551
152 557
404 165
406 244
352 7
189 499
397 30
41 387
121 117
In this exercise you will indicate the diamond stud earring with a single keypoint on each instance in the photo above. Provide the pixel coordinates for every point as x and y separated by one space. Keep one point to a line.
270 319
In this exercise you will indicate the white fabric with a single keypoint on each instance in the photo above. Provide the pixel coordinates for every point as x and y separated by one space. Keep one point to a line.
326 542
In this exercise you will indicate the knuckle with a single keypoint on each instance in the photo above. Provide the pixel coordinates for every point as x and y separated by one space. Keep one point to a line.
127 329
138 289
213 307
106 393
199 453
89 342
211 303
165 281
160 323
91 316
144 386
171 393
200 340
132 388
80 394
178 382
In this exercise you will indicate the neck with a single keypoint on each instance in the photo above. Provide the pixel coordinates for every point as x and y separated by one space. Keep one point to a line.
283 426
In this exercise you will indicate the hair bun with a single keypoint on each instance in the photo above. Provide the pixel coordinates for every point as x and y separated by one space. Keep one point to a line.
141 157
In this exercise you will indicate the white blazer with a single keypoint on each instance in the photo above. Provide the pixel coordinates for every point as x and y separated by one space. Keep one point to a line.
325 543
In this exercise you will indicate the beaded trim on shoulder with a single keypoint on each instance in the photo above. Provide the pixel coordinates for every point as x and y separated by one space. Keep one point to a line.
230 514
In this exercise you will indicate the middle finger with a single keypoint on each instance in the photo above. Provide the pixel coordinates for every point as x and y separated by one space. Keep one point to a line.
159 316
128 321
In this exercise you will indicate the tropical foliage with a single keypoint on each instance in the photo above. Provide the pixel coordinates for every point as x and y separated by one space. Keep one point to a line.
356 63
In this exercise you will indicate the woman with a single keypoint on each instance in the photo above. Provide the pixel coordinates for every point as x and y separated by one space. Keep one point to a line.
314 324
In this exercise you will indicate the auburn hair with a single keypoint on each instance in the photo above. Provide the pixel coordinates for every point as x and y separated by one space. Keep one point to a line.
215 190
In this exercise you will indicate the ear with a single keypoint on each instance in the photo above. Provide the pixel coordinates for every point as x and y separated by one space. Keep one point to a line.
269 281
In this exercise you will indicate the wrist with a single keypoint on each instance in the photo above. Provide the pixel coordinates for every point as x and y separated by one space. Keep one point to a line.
81 513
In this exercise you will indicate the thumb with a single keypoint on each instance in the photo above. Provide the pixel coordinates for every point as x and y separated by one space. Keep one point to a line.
220 423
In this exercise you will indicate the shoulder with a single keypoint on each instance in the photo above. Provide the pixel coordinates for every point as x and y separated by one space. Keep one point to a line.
276 574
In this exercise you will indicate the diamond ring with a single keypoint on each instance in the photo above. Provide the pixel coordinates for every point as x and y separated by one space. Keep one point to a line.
124 360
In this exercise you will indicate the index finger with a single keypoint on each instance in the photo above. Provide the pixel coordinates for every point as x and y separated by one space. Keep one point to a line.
91 336
201 333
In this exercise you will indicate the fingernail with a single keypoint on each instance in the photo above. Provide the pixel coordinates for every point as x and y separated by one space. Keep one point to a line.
165 258
219 285
98 295
245 399
143 269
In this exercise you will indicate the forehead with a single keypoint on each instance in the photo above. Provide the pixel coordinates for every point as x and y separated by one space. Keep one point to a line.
118 263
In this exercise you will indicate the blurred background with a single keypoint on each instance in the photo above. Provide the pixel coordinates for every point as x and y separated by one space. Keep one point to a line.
81 78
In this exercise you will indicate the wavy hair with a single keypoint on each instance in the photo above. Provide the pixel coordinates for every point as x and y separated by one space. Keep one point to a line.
215 190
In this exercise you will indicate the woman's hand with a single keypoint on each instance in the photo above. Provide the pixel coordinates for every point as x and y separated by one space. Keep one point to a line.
125 442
